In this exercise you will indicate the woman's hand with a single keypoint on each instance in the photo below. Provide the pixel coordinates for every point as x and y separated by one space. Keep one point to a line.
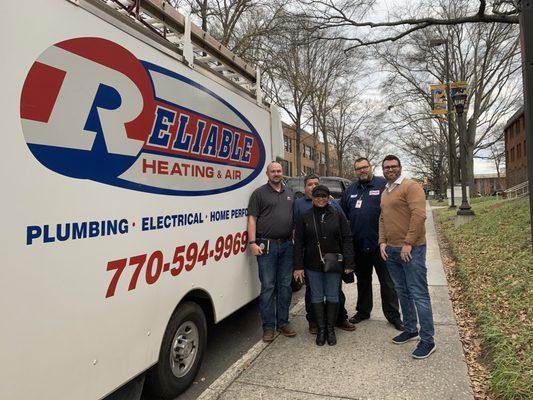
299 275
348 271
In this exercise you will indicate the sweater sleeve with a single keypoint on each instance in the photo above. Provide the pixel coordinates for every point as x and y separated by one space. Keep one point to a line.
347 243
299 236
382 236
416 201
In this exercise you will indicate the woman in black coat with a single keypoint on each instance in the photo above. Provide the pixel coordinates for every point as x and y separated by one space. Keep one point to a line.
321 230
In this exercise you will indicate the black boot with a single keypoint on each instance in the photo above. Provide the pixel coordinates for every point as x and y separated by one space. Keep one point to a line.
318 311
331 317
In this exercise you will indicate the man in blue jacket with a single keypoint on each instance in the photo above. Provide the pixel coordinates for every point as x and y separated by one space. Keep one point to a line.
299 207
361 204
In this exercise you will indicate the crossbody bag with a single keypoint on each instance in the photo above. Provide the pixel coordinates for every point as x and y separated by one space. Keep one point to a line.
331 262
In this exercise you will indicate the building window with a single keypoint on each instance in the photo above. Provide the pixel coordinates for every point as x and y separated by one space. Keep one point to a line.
518 151
288 169
288 144
512 154
525 149
308 152
322 158
309 170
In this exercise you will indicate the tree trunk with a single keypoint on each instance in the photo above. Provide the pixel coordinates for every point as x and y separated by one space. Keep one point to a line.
326 146
340 157
298 131
470 140
315 144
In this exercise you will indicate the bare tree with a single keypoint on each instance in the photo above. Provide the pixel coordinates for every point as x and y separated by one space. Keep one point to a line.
487 56
349 14
330 68
345 121
289 82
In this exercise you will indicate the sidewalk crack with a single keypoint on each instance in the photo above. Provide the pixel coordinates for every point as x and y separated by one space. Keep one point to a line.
296 391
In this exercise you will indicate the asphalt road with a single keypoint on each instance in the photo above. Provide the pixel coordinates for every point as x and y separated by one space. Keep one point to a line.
226 343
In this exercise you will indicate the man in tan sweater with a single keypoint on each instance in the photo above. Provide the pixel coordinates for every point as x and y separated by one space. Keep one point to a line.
402 242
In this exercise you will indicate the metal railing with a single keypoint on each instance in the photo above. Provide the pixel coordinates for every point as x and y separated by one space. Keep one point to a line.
517 191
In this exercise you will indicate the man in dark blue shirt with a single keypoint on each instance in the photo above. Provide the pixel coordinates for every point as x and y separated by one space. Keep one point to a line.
299 207
361 204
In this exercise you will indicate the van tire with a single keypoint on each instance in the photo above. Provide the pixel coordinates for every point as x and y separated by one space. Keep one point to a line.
181 353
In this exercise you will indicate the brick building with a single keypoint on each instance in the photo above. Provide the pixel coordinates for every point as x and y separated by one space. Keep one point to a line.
313 154
487 184
515 149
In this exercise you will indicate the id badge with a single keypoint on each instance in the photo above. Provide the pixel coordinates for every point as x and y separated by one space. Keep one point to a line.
358 203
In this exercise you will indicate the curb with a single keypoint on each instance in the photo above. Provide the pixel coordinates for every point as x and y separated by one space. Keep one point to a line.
232 373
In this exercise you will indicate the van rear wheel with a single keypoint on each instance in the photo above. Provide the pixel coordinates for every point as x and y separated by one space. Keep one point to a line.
181 353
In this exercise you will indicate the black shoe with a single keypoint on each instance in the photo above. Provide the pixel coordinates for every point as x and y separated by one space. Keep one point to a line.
357 318
321 337
397 324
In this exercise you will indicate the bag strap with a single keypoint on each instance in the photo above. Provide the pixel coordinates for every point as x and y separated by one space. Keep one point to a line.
317 238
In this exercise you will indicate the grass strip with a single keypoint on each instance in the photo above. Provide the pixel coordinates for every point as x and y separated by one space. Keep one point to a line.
494 264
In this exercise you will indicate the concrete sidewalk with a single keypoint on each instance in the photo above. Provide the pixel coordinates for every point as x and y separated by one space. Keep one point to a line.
365 364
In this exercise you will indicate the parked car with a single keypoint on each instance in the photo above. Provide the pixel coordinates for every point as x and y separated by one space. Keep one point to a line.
335 184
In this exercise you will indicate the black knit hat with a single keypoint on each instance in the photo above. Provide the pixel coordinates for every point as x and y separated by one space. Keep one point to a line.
321 189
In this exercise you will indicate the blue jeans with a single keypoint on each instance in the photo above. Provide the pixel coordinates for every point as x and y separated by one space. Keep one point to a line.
322 284
410 282
275 274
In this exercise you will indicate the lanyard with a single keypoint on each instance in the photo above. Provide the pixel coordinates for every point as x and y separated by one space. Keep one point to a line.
361 197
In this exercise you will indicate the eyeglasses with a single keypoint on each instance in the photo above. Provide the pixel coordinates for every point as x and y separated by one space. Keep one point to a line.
362 168
390 167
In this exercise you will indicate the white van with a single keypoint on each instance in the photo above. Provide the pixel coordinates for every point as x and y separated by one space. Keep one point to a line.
132 144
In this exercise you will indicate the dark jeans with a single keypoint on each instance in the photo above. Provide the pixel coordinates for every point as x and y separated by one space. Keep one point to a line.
322 285
342 315
365 262
410 281
275 274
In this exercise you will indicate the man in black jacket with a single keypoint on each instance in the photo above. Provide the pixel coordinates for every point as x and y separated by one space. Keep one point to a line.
361 204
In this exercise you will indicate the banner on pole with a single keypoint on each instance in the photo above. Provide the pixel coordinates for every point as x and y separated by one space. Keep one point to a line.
438 97
459 88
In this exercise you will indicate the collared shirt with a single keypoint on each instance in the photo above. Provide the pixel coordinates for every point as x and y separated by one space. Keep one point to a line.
390 186
303 204
273 211
361 204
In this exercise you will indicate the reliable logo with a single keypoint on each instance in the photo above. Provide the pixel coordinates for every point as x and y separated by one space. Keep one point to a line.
91 110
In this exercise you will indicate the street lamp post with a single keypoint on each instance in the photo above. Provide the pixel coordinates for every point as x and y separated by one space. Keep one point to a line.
459 101
451 138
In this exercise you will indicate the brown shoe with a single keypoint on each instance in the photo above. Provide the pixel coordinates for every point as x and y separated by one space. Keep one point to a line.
268 335
287 331
346 326
313 328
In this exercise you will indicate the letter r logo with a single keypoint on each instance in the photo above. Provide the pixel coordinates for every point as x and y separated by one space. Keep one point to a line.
81 104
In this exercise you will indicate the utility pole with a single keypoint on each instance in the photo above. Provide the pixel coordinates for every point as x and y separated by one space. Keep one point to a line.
451 136
526 39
